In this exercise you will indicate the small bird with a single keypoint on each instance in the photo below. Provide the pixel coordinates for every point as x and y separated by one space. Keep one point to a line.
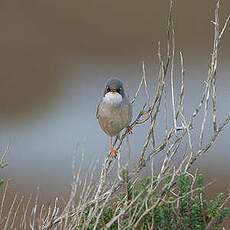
114 112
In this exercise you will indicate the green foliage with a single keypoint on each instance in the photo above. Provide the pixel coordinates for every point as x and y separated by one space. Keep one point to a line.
184 209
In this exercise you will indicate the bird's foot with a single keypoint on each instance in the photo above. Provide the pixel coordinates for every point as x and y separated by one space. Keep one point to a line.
113 152
129 130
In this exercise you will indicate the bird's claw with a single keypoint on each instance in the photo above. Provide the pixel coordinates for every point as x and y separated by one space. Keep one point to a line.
113 152
129 130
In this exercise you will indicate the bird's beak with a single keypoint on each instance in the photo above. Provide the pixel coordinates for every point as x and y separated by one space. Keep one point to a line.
113 91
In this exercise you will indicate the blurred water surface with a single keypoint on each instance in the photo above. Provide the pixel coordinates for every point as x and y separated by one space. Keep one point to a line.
55 56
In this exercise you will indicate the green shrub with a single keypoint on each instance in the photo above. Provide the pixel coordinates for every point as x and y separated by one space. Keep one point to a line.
185 208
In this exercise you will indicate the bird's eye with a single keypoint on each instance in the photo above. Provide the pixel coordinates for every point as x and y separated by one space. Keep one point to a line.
119 90
108 89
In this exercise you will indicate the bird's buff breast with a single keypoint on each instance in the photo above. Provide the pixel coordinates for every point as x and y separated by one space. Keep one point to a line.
113 114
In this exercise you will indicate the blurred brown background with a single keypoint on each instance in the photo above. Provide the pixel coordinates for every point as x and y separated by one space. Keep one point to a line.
54 58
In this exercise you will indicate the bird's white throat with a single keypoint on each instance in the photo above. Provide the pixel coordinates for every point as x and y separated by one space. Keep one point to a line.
112 98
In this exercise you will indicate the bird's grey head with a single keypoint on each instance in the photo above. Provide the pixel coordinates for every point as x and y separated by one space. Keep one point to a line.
114 85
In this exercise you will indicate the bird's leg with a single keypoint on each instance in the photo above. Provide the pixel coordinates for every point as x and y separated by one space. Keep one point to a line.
113 151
